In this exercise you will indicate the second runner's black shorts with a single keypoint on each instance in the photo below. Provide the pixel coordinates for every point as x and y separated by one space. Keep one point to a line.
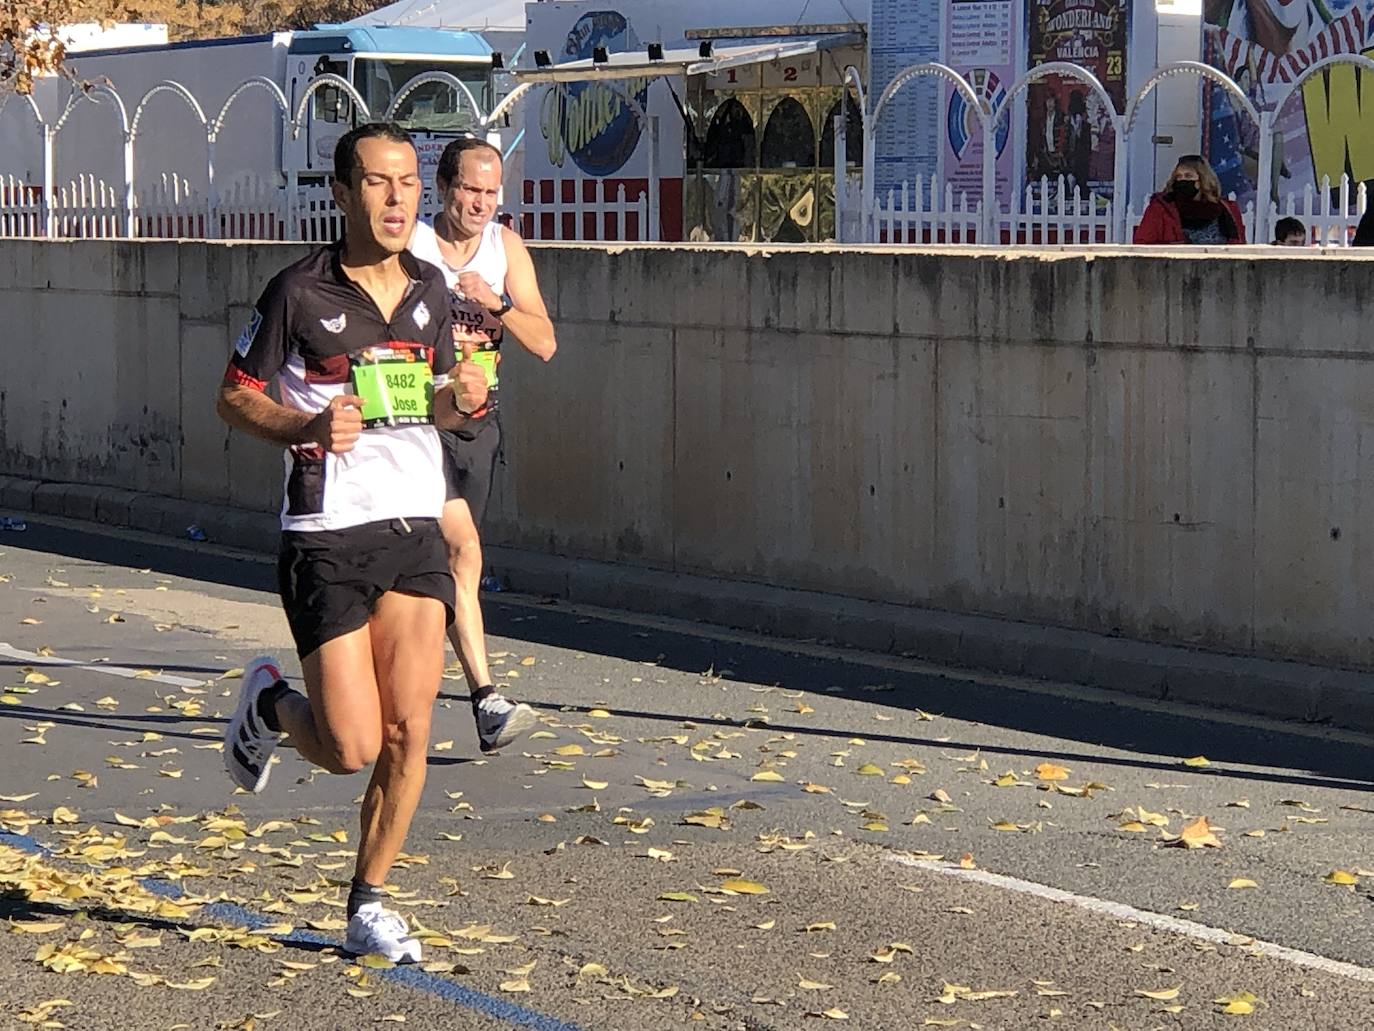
331 580
470 466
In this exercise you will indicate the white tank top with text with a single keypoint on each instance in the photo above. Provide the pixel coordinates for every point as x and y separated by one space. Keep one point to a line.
471 321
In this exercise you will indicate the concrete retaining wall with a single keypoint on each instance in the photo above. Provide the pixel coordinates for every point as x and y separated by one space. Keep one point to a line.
1174 447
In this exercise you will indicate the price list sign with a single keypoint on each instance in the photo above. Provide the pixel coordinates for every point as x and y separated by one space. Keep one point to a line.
907 143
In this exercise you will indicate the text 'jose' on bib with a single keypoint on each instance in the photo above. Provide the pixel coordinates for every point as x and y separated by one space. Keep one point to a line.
396 383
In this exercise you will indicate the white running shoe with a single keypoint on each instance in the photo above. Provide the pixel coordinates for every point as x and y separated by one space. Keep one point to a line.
374 929
500 721
248 742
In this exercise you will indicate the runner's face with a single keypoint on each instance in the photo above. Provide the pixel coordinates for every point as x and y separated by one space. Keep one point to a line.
470 201
381 203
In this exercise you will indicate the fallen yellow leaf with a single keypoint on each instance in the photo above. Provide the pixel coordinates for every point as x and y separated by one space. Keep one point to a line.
1051 771
1160 995
197 985
1239 1003
742 887
535 900
1198 834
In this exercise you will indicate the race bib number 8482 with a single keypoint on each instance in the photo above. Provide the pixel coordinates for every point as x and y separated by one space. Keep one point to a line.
396 391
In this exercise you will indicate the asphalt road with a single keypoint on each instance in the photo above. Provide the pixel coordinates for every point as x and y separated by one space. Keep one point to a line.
710 830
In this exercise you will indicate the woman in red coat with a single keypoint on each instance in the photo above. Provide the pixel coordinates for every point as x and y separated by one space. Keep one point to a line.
1190 209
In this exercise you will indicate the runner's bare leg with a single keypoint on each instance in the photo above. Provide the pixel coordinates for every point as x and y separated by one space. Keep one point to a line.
408 654
468 632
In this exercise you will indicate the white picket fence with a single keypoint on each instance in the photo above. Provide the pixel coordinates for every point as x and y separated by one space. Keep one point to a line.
924 213
21 208
249 209
1047 213
592 212
1330 224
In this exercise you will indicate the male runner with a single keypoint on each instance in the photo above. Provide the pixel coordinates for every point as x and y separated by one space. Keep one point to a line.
358 336
481 261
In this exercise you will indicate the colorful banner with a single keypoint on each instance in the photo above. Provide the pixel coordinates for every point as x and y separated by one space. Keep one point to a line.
980 44
1068 128
1327 129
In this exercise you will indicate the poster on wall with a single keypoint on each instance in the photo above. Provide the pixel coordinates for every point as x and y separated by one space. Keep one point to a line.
980 44
1068 128
587 127
907 141
1326 129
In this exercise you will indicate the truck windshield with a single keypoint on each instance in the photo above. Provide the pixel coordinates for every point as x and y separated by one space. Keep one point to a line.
435 106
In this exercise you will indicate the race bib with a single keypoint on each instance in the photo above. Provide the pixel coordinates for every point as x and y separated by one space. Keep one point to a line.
488 360
396 385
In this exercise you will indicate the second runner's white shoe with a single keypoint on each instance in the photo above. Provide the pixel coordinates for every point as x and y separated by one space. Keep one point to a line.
248 741
500 721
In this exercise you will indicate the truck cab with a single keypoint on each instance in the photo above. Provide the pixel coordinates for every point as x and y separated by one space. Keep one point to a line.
380 62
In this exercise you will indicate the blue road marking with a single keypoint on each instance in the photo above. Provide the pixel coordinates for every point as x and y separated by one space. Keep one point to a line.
411 977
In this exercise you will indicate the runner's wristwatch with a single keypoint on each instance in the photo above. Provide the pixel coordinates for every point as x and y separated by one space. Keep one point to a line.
498 312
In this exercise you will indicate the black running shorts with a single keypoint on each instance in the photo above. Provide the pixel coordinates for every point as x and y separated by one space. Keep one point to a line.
470 465
330 580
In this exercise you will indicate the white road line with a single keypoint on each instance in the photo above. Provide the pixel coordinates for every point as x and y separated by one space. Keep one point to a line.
34 659
1158 921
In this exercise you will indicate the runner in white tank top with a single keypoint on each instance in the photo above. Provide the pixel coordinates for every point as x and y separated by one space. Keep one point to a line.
471 321
494 291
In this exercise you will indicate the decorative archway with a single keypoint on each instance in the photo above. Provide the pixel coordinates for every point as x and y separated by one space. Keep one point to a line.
899 82
1068 71
94 93
442 78
177 89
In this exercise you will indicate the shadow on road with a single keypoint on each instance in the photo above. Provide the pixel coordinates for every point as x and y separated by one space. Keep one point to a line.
1099 726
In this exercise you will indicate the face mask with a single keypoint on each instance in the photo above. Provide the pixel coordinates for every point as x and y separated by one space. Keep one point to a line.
1185 189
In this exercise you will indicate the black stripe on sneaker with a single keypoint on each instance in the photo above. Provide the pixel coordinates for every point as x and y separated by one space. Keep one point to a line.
244 761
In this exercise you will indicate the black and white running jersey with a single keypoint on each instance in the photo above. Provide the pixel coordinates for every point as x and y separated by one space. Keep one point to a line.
311 327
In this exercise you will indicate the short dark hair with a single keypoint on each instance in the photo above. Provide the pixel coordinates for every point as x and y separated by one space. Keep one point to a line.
346 150
452 157
1285 227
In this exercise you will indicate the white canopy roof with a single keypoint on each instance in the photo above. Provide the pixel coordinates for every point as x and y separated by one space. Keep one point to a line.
688 60
473 15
